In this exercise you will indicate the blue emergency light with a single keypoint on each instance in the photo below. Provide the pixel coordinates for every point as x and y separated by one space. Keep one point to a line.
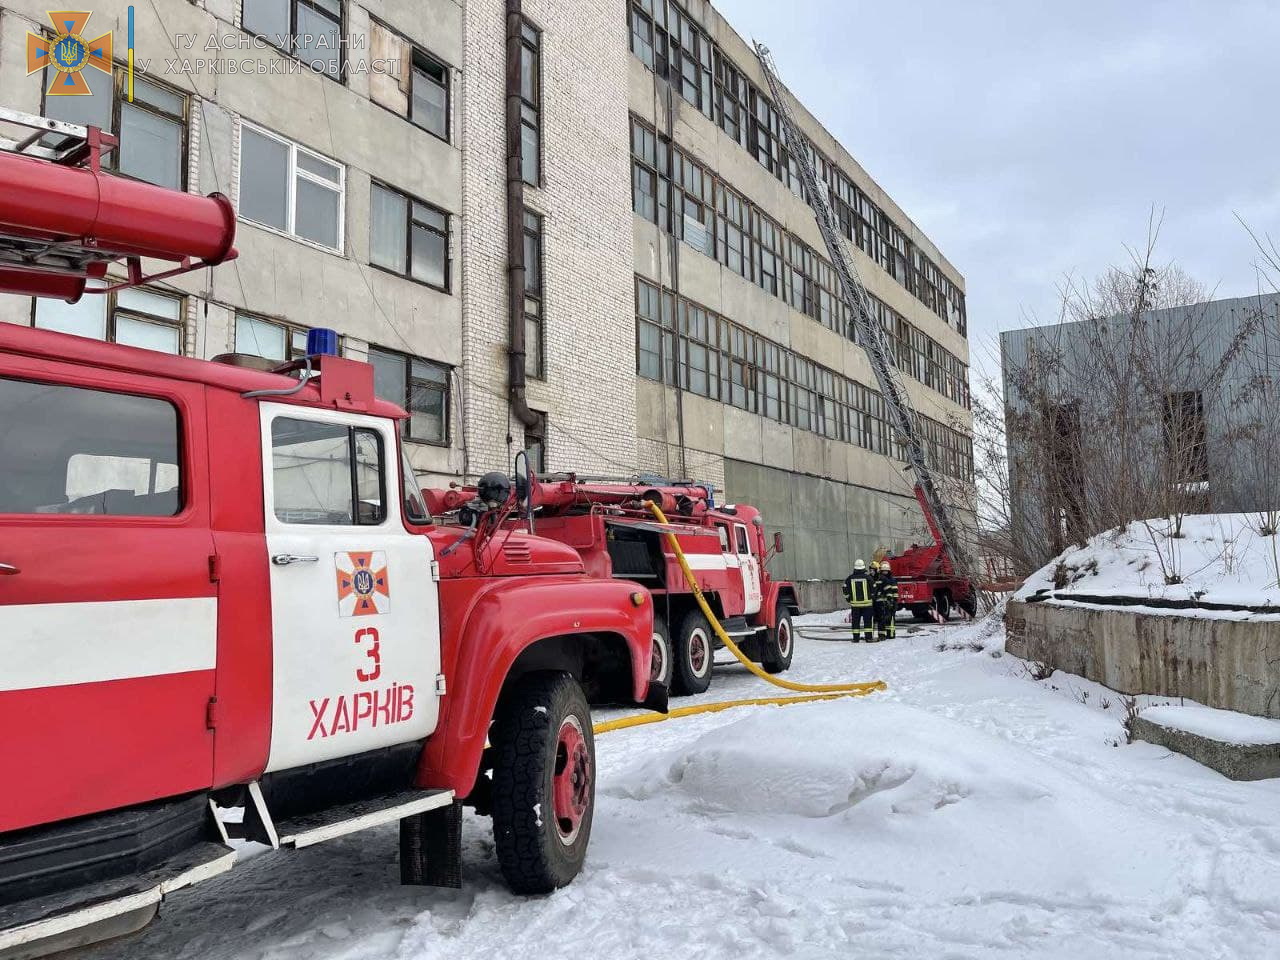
323 342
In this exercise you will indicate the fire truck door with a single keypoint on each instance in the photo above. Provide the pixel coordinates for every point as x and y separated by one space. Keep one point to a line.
749 564
354 609
108 617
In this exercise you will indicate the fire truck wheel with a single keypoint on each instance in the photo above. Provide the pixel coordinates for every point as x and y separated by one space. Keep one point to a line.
661 664
543 782
943 602
780 646
694 654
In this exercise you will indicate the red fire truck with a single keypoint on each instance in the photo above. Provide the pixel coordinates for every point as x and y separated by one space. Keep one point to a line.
220 588
928 583
610 527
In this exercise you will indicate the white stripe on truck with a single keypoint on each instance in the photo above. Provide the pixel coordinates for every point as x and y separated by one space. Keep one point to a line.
58 644
706 561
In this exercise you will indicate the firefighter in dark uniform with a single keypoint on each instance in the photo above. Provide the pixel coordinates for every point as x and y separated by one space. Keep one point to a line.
857 590
873 576
887 611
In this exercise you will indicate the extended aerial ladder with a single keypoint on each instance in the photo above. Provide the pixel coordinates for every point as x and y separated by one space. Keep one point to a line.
870 335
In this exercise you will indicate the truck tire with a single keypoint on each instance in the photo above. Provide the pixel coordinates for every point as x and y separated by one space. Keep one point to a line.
920 612
779 645
943 602
544 786
662 661
694 653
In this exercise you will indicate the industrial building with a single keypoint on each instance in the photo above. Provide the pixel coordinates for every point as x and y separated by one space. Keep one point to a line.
572 227
1163 412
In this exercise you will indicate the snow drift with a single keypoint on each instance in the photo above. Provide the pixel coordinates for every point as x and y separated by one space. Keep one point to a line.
915 793
1219 559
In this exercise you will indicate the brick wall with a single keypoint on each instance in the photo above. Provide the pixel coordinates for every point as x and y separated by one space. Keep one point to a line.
585 200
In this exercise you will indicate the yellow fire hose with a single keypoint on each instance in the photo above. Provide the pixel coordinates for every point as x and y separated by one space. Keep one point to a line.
815 691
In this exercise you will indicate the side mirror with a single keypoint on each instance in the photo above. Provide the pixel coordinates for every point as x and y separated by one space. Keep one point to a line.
777 541
524 488
522 481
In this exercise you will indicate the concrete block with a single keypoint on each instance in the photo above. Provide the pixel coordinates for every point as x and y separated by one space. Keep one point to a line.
1235 761
1226 664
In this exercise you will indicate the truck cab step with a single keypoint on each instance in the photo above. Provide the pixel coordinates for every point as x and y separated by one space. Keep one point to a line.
310 829
87 914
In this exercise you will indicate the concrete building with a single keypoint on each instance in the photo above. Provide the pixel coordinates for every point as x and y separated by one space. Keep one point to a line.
1192 390
621 163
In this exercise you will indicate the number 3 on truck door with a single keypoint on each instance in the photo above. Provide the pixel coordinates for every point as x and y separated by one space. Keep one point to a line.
369 634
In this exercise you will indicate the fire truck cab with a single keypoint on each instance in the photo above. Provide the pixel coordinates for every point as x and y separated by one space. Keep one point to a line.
220 587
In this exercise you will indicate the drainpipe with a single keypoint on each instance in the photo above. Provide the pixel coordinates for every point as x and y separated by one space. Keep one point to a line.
515 227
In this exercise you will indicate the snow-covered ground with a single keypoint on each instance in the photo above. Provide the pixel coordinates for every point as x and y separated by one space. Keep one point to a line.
968 812
1228 558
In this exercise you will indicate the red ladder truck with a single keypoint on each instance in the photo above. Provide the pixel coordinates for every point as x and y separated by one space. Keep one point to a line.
932 577
220 587
609 525
928 583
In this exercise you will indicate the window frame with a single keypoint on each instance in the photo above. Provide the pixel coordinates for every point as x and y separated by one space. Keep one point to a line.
536 294
532 47
290 51
711 356
290 329
110 301
119 79
446 406
539 435
291 198
188 493
409 223
418 53
353 477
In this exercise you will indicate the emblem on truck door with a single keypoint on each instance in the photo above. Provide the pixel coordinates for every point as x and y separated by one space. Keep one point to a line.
363 586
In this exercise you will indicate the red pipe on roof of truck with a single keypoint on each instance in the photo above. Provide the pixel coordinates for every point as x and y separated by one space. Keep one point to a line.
89 217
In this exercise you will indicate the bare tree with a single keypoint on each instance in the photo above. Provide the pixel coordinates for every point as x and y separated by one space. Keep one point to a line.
1107 412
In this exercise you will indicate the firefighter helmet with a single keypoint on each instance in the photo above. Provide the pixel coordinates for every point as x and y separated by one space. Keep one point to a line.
859 565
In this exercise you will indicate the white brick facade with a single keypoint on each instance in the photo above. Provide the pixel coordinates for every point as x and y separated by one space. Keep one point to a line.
585 200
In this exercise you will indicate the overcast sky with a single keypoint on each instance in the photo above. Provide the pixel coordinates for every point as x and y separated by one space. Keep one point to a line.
1030 140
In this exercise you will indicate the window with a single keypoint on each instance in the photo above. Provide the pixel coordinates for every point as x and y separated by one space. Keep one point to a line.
134 316
270 339
415 505
669 42
420 93
723 532
420 386
326 473
1185 437
409 237
673 46
535 444
290 188
152 129
534 365
429 95
311 30
530 104
741 533
721 360
689 202
68 450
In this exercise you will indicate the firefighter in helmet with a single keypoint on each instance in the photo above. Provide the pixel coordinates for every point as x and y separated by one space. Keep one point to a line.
887 610
873 575
857 590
